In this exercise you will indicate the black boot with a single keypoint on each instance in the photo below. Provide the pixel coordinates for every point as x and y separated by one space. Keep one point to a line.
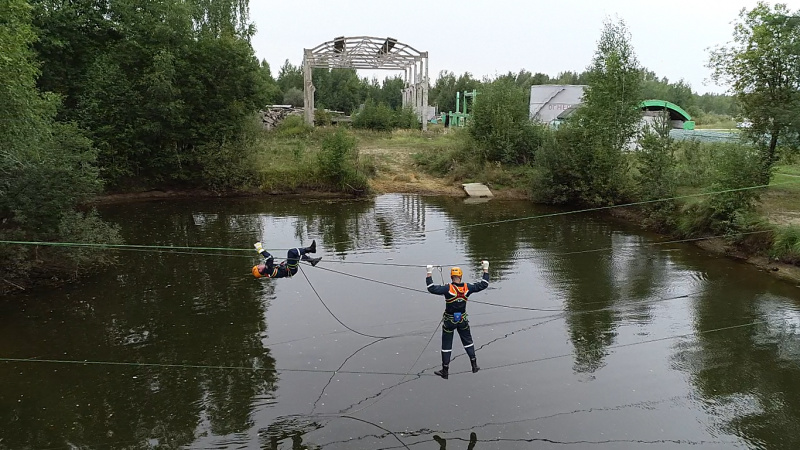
313 261
442 373
474 363
312 248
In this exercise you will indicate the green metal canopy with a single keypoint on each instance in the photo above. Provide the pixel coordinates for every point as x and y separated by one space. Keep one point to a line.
663 104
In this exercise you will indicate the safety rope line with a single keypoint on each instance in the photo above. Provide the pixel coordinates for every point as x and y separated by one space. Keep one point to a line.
356 372
188 366
330 380
408 372
517 219
334 315
524 308
614 347
440 266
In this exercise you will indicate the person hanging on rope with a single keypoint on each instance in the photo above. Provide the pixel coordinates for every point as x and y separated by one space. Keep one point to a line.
455 313
287 268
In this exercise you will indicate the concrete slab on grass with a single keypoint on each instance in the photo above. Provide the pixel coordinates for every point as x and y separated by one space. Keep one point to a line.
477 190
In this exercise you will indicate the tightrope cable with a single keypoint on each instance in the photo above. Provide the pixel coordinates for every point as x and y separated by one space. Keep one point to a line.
257 369
612 347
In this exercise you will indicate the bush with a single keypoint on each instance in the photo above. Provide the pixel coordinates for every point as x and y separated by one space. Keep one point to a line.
695 162
571 170
293 97
786 246
501 126
374 116
88 228
338 162
737 167
405 118
293 126
322 117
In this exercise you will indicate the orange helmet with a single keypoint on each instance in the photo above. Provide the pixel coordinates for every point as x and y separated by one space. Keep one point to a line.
256 272
456 272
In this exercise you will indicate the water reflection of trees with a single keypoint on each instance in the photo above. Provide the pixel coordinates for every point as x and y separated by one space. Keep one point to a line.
347 225
587 280
747 377
161 308
500 243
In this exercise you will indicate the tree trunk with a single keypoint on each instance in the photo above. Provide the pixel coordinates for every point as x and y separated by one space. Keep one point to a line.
769 158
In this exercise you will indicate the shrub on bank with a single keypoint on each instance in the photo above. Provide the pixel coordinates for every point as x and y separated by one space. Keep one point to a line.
501 126
736 170
338 162
380 117
293 126
786 246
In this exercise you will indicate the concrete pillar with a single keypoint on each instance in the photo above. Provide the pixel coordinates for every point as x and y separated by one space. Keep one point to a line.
414 91
425 86
308 89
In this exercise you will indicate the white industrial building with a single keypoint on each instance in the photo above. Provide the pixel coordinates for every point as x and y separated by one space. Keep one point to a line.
552 103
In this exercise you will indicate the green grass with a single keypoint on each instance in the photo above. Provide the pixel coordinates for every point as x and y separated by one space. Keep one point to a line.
434 139
784 192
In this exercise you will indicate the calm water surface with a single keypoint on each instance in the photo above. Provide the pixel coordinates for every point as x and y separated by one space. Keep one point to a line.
624 344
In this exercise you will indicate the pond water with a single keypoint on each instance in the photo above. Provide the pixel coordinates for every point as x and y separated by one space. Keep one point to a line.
591 335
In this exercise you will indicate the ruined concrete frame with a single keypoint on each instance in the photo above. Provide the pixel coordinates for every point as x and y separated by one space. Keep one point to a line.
365 52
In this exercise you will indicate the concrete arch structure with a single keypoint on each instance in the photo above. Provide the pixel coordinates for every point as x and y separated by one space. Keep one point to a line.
367 52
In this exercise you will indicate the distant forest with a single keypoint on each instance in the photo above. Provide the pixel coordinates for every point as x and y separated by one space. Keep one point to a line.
343 90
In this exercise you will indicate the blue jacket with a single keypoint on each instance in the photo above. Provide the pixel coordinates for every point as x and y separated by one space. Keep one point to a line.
455 294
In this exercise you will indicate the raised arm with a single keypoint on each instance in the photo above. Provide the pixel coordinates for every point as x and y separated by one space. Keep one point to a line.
484 282
434 288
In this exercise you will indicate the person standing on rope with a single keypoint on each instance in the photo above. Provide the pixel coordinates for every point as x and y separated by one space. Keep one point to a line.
455 313
286 268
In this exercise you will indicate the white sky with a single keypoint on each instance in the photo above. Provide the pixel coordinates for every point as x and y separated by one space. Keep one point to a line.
490 38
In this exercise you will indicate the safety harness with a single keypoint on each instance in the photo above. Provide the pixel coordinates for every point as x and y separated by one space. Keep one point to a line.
459 295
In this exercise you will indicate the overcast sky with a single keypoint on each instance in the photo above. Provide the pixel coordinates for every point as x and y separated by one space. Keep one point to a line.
489 38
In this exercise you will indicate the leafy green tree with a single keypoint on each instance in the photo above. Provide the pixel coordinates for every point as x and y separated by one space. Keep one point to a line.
501 125
158 85
589 165
443 92
391 92
293 97
47 167
762 66
656 176
290 76
272 92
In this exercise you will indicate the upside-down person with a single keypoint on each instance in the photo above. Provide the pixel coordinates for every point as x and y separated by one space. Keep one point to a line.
455 313
287 268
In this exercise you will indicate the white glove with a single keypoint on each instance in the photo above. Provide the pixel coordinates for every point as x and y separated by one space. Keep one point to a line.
430 268
485 264
258 247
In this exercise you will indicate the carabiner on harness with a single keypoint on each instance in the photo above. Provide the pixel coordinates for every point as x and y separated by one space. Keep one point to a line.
457 317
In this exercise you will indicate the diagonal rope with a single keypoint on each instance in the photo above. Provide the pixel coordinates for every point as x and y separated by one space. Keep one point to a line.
334 315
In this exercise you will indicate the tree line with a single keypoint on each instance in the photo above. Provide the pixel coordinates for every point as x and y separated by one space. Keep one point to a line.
602 154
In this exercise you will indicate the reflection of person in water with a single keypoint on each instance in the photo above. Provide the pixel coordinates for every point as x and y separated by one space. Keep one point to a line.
473 439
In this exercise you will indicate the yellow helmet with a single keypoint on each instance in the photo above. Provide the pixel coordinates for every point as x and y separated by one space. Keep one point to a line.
456 272
256 272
